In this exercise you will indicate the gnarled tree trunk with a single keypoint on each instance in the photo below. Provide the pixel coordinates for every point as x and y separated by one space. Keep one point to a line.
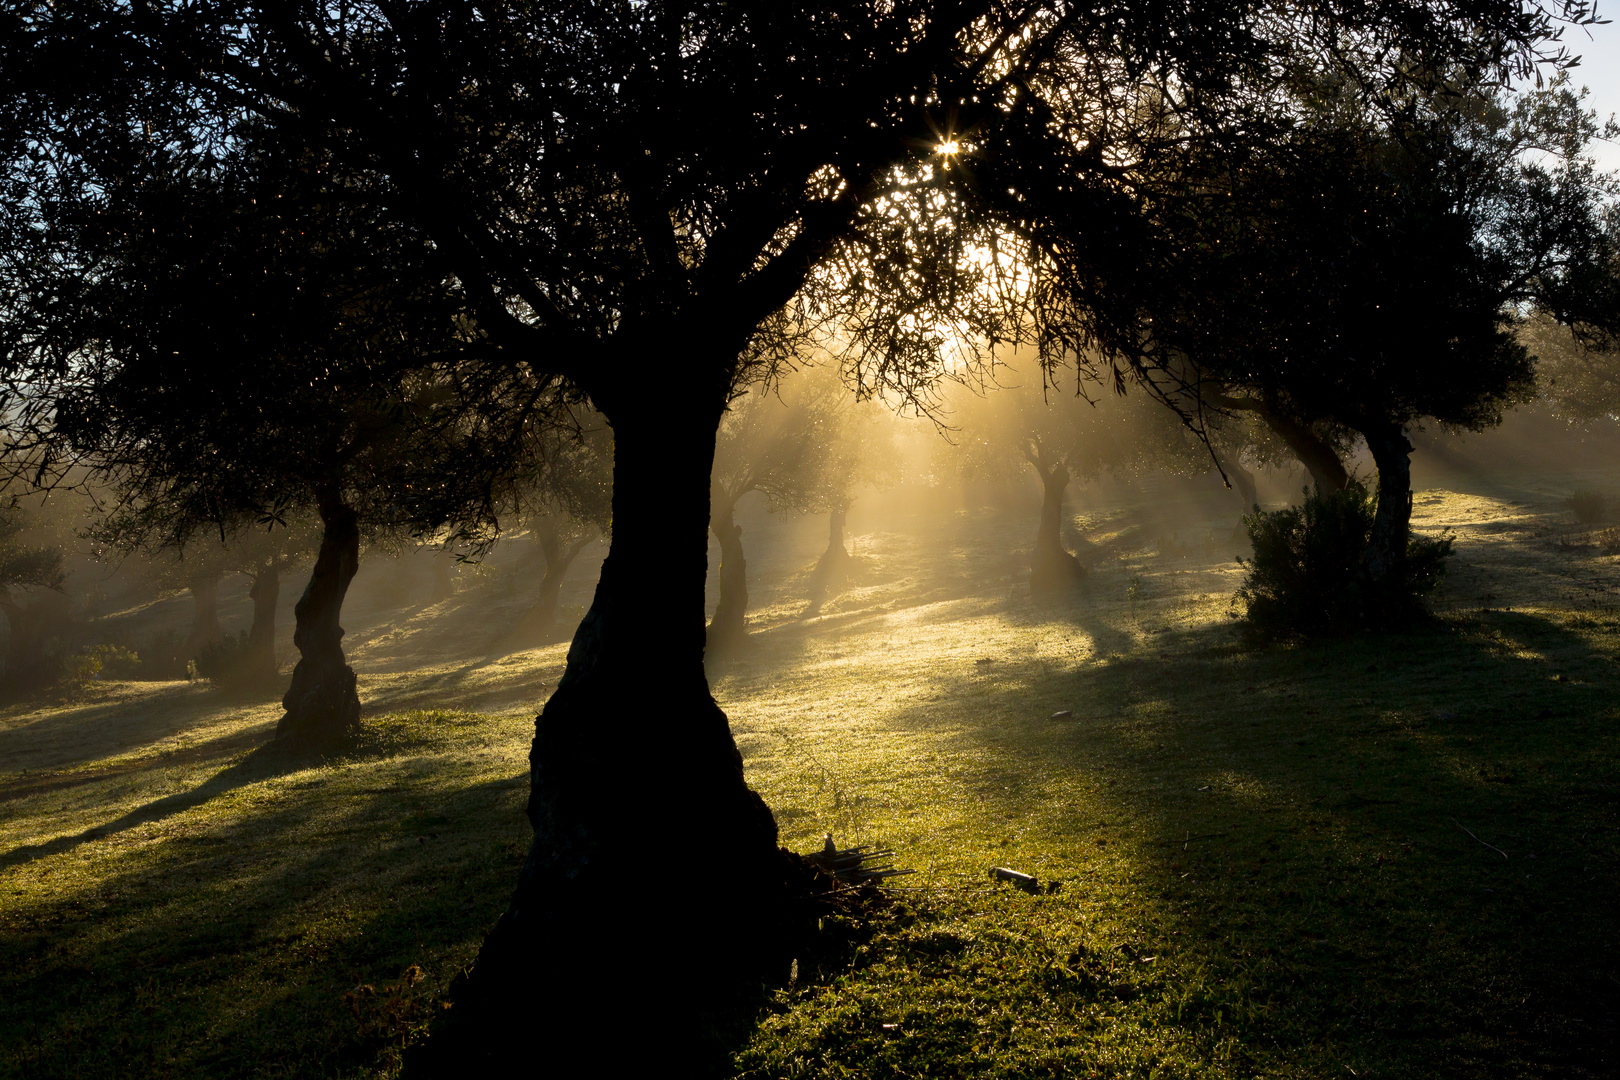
323 704
730 622
260 661
1392 522
835 560
652 858
1051 564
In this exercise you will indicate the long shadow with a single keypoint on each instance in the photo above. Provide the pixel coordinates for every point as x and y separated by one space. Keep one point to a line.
93 730
1345 807
263 763
23 785
293 936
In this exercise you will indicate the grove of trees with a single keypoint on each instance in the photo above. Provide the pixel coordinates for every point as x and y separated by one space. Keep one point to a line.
372 262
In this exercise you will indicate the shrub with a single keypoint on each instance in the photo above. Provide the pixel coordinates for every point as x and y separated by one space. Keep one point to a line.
160 657
1306 577
1589 507
117 662
225 662
101 661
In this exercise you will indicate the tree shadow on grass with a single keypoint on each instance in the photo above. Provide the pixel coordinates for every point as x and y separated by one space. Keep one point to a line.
262 763
1323 828
310 933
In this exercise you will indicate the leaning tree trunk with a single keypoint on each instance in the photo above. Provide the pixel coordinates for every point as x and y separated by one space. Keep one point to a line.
1242 481
730 622
205 629
323 704
1392 523
652 859
260 662
1314 452
1051 564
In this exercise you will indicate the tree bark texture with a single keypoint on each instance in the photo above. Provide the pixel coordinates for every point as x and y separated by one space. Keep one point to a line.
323 704
652 858
260 661
1392 522
730 622
1051 564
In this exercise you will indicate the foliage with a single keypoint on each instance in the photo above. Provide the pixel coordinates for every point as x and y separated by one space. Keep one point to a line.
1307 579
227 662
1590 507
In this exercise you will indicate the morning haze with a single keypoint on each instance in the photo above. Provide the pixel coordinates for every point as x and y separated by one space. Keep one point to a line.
808 541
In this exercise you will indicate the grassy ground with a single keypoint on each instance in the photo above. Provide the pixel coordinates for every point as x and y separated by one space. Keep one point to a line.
1388 857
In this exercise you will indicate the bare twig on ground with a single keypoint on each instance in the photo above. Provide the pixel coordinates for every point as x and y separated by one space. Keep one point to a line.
1465 829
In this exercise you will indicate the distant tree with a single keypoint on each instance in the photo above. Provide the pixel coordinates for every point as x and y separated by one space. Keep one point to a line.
200 562
640 203
1366 272
857 452
565 499
779 441
1064 436
331 319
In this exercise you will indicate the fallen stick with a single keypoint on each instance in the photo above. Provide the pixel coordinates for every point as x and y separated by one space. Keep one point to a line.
1465 829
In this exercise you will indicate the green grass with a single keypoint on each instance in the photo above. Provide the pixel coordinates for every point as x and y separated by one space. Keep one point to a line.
1262 852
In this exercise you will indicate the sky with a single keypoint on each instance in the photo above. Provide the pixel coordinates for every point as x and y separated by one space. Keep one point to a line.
1600 73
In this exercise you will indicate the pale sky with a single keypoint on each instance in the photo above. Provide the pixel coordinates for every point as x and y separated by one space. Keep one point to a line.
1600 73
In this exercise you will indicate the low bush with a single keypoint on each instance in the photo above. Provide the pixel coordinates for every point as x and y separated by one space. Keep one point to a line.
98 662
228 663
1306 578
1589 507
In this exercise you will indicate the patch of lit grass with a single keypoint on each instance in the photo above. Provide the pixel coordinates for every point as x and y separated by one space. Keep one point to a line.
1272 862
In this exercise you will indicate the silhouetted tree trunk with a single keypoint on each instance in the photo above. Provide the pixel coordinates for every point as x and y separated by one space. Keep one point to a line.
540 620
833 566
835 560
1313 451
1242 482
205 630
730 622
1392 522
1051 564
260 662
651 855
323 704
